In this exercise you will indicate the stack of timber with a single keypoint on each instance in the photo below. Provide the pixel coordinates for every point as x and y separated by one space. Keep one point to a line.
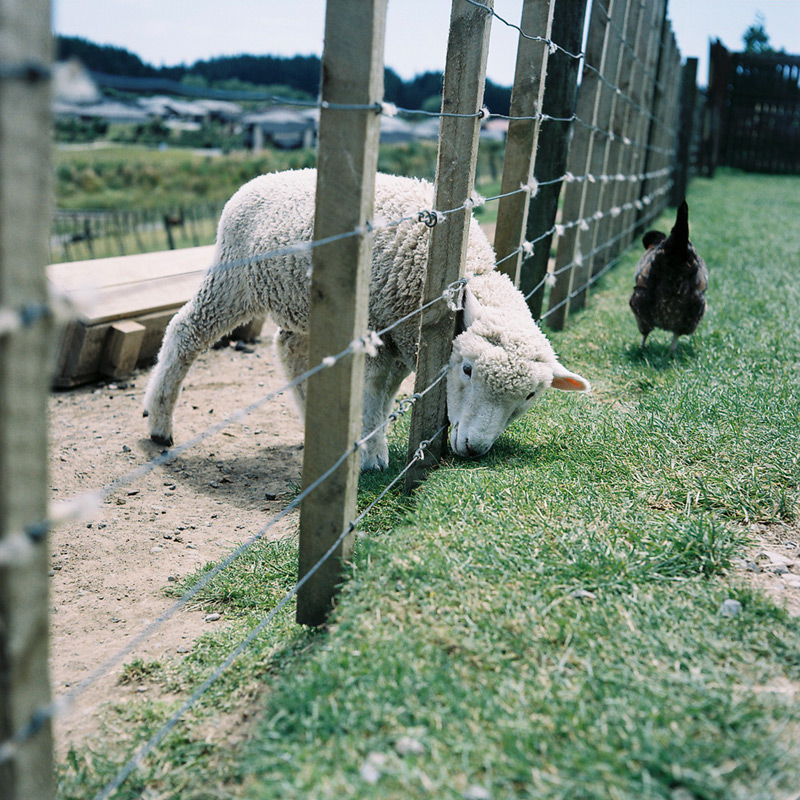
121 307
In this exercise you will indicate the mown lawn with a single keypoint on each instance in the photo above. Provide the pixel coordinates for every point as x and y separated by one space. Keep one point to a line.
545 622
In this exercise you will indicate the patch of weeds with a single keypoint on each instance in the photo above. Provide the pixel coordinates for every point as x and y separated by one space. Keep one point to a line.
138 671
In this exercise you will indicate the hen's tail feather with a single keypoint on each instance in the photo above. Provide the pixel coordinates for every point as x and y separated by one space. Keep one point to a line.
679 235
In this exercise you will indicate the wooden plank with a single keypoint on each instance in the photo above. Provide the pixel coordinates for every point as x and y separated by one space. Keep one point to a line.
523 134
80 351
121 352
104 290
553 145
464 78
352 73
580 154
25 200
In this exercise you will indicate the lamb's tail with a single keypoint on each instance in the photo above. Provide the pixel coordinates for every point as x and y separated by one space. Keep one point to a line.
679 235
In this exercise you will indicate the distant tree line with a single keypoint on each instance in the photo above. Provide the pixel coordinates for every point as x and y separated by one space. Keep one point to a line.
300 74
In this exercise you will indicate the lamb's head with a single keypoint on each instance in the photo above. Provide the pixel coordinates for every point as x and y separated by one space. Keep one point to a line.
498 369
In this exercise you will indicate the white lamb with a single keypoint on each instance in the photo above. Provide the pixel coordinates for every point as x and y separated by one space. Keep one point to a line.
501 362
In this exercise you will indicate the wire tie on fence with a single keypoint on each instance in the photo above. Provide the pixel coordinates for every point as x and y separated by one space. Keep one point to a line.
30 71
484 113
475 200
379 223
429 218
454 297
37 531
16 549
369 344
33 312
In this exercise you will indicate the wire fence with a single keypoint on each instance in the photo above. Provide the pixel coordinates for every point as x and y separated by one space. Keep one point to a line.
78 235
614 180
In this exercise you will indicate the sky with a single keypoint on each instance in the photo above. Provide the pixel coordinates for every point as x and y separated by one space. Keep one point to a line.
170 32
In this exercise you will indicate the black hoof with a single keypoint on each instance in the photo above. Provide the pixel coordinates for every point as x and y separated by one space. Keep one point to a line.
166 441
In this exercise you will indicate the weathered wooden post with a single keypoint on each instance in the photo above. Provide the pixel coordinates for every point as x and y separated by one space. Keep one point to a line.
554 137
622 146
352 73
597 165
647 48
26 770
580 155
523 134
688 100
464 79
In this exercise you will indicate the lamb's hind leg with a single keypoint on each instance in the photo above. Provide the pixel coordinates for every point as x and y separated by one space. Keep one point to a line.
292 348
383 375
193 329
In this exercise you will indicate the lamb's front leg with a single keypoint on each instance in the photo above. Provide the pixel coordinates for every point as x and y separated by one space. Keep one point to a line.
383 375
193 329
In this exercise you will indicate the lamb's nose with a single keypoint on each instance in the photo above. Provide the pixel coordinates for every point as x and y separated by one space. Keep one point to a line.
471 451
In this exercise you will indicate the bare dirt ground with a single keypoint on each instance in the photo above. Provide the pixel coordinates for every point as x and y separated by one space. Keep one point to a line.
108 574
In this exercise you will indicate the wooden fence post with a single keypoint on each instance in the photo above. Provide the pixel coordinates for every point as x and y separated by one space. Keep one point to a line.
464 79
642 92
523 134
352 73
620 156
578 162
688 100
25 178
593 198
554 137
602 230
663 135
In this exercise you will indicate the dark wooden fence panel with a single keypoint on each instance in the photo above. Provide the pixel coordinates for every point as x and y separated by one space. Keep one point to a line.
754 106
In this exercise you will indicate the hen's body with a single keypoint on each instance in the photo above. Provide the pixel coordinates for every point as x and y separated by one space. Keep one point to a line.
670 283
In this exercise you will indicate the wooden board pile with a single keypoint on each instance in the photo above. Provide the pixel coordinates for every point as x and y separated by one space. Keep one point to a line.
122 306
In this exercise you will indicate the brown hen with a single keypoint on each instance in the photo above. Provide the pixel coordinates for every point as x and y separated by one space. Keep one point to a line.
670 283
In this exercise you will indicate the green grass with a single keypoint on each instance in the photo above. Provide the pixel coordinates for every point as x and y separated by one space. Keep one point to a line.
544 622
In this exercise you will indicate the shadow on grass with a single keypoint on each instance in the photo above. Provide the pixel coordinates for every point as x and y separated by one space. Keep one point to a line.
656 355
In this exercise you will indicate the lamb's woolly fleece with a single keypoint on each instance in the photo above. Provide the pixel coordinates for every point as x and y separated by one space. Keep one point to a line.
503 341
276 210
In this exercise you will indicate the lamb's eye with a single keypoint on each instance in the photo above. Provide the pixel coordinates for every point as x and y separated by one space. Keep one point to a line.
467 369
530 396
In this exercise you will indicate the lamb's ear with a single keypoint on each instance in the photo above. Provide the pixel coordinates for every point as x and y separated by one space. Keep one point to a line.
569 381
472 308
